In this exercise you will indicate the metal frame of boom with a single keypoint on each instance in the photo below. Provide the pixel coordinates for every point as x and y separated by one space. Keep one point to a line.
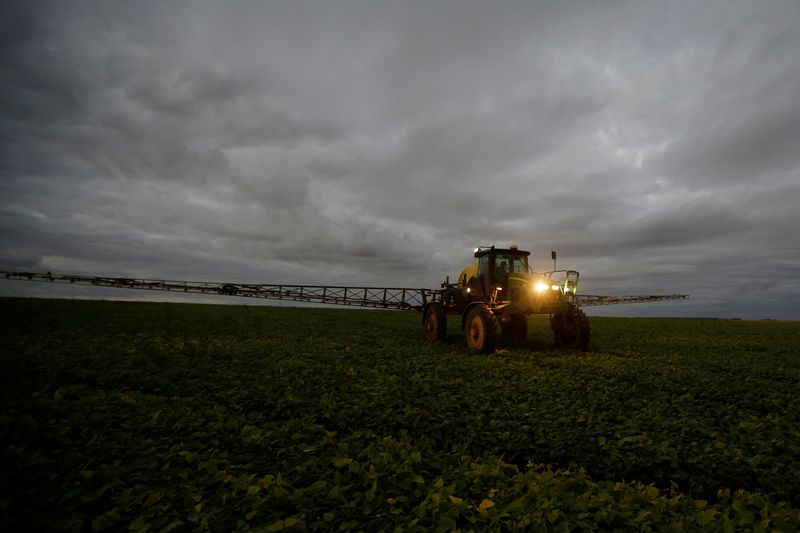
588 300
375 297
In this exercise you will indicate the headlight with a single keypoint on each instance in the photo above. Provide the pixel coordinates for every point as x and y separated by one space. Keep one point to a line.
541 286
555 287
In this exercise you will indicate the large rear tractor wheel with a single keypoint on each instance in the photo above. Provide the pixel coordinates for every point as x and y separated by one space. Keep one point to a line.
480 330
515 328
571 329
435 322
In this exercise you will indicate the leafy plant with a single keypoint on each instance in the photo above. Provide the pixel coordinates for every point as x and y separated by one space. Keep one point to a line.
160 417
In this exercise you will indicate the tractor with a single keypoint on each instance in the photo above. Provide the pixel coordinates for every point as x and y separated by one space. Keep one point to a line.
501 289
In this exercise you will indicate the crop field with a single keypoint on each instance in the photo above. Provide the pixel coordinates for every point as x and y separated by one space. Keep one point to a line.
157 417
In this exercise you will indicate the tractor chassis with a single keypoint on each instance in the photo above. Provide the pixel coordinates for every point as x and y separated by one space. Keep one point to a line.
480 319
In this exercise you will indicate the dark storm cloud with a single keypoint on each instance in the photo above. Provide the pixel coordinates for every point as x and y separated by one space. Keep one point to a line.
741 149
656 147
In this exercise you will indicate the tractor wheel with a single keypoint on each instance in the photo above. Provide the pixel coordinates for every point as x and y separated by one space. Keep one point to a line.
571 329
435 322
480 329
516 329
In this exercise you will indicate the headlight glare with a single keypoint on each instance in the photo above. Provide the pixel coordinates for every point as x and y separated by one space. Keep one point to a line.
541 286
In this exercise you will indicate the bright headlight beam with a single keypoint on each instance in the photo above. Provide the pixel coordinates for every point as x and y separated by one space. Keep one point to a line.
541 287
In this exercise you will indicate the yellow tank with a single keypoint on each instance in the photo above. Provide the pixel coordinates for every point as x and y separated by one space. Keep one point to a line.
469 272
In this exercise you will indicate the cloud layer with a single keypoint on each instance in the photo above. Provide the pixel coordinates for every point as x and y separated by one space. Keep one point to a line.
657 148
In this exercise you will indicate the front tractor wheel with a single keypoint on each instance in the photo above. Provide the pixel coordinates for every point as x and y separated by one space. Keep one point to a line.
435 322
571 329
480 330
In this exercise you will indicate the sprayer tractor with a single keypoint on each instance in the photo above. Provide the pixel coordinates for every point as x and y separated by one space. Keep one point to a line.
500 291
493 297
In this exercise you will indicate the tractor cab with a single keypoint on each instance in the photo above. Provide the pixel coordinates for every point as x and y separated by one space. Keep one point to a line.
503 277
496 265
491 274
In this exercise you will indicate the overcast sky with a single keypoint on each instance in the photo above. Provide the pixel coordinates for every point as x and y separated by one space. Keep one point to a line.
655 145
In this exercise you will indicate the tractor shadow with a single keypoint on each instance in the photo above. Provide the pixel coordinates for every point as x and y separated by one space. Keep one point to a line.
539 341
516 348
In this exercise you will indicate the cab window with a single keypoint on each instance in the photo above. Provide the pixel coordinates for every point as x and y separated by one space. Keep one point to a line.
511 264
518 265
483 266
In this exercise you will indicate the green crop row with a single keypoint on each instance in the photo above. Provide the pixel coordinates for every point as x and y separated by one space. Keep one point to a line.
158 417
